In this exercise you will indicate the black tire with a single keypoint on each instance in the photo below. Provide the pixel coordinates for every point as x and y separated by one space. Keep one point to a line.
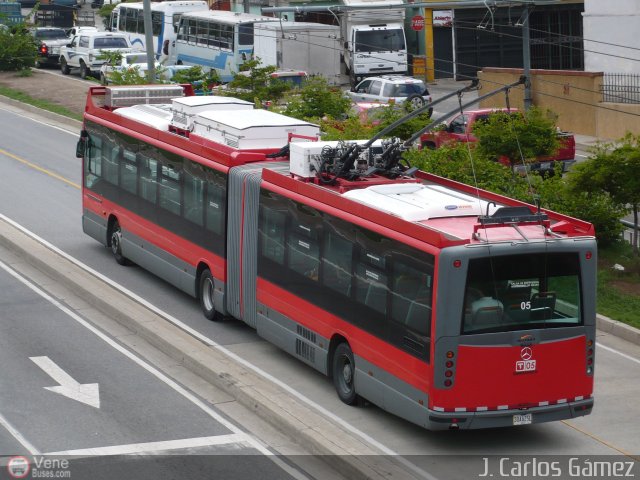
64 68
415 101
343 370
206 295
84 70
115 242
428 146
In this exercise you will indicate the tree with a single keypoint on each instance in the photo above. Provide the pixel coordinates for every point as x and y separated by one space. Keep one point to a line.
516 136
18 49
366 124
315 100
613 169
466 165
254 83
196 76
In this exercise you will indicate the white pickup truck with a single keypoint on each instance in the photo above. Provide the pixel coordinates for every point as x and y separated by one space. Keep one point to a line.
85 51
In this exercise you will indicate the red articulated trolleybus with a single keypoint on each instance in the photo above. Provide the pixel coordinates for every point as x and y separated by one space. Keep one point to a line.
446 305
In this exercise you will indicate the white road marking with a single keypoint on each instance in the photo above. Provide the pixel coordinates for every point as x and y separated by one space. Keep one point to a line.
155 447
251 441
207 341
23 114
613 350
88 393
18 436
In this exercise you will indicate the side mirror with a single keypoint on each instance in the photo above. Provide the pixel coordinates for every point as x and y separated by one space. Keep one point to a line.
81 146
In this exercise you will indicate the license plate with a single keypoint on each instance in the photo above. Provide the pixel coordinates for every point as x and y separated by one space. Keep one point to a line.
55 50
525 419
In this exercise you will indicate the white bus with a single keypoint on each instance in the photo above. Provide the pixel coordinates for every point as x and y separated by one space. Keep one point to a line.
128 18
216 39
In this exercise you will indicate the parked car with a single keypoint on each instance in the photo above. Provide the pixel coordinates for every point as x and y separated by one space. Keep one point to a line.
49 40
86 51
391 89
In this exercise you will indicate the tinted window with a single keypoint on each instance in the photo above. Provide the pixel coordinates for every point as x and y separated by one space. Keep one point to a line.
109 42
522 292
176 193
361 277
245 34
375 88
50 34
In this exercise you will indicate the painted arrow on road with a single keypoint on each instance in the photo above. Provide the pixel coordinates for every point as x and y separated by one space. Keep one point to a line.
86 393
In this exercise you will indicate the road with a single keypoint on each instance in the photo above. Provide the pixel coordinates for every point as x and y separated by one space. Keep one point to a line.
126 405
41 179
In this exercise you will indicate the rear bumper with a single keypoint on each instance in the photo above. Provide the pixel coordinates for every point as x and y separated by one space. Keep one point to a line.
505 418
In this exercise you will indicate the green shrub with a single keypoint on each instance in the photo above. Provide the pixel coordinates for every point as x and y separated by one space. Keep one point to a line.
18 50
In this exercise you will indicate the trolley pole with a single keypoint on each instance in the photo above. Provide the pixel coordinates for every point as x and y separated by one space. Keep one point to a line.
526 58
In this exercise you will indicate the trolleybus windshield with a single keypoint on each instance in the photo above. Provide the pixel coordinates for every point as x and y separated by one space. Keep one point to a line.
515 292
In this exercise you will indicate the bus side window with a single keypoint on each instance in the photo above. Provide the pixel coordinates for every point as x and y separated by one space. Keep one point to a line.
170 188
148 177
129 172
271 232
194 186
337 263
411 298
371 287
93 161
110 160
215 207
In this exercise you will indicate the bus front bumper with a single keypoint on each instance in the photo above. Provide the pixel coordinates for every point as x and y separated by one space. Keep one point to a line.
508 418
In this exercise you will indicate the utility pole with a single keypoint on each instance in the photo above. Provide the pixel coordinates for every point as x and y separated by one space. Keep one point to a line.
148 40
526 58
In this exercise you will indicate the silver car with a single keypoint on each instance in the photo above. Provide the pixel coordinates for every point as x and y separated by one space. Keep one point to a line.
391 89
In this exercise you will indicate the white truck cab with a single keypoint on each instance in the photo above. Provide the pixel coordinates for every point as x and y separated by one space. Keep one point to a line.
85 51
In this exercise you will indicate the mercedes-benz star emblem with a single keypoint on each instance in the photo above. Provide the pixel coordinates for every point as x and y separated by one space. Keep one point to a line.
526 353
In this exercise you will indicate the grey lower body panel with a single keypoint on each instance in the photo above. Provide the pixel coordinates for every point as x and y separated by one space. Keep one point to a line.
293 338
371 382
95 226
505 418
390 393
159 262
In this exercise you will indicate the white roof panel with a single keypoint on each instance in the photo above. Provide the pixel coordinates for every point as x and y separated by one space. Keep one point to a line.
214 100
419 202
243 119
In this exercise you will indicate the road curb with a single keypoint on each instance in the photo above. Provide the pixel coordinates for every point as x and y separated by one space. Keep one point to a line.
618 329
56 117
339 447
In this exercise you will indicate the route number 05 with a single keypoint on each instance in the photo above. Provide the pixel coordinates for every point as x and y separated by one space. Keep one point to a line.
525 305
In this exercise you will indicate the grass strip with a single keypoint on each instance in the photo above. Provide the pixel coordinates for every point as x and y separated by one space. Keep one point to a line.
43 104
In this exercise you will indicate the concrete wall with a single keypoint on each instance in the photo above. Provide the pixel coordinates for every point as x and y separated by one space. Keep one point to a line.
611 40
574 96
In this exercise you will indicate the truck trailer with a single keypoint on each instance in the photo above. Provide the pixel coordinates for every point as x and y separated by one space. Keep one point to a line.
311 47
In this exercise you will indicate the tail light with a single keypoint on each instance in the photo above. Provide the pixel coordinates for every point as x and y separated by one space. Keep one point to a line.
590 352
449 368
44 49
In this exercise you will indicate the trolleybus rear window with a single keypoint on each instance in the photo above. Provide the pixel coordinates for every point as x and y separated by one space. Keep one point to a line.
515 292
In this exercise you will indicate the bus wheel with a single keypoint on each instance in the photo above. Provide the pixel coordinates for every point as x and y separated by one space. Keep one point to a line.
207 302
116 244
343 373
